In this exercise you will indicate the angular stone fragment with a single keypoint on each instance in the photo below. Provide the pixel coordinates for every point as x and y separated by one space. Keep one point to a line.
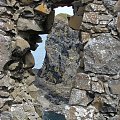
98 87
6 116
43 8
117 6
4 94
95 7
26 24
75 22
82 81
102 54
2 10
85 36
109 4
118 22
79 97
49 21
29 60
114 86
26 2
21 44
80 113
91 17
4 50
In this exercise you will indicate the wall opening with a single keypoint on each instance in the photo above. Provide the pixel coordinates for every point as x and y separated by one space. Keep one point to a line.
39 54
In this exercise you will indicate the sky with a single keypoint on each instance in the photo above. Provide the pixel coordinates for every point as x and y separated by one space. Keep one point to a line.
39 54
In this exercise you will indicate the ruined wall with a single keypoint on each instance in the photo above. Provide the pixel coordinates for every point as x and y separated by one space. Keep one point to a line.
94 67
85 70
18 36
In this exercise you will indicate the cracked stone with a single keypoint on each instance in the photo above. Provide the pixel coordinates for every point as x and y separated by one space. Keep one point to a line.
79 97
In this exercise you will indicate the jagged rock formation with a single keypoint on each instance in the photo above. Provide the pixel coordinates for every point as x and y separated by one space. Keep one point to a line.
62 58
81 72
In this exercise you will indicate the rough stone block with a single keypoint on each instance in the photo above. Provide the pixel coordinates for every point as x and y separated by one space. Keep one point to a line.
101 55
79 97
4 50
82 81
91 17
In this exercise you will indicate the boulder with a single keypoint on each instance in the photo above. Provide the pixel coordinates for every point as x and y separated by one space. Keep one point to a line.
101 55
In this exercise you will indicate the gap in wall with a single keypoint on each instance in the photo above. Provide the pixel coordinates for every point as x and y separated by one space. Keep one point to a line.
39 54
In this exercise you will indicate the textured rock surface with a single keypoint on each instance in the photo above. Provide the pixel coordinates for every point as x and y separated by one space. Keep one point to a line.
62 55
102 55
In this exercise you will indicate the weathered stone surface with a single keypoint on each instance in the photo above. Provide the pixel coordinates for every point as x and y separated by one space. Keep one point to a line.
79 113
102 55
117 6
4 94
91 17
61 48
25 24
79 97
98 87
118 22
82 81
21 44
29 60
95 7
6 116
109 4
114 86
4 50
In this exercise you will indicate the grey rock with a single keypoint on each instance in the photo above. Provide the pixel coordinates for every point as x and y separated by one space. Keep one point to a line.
114 86
109 4
82 81
6 116
102 55
4 94
98 87
79 97
62 55
26 24
5 50
79 113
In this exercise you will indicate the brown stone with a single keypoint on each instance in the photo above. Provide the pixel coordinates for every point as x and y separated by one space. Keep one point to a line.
29 60
75 22
85 36
21 43
26 24
42 8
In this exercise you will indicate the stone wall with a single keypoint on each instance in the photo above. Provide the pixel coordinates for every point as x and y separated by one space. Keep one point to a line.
84 70
95 94
90 66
